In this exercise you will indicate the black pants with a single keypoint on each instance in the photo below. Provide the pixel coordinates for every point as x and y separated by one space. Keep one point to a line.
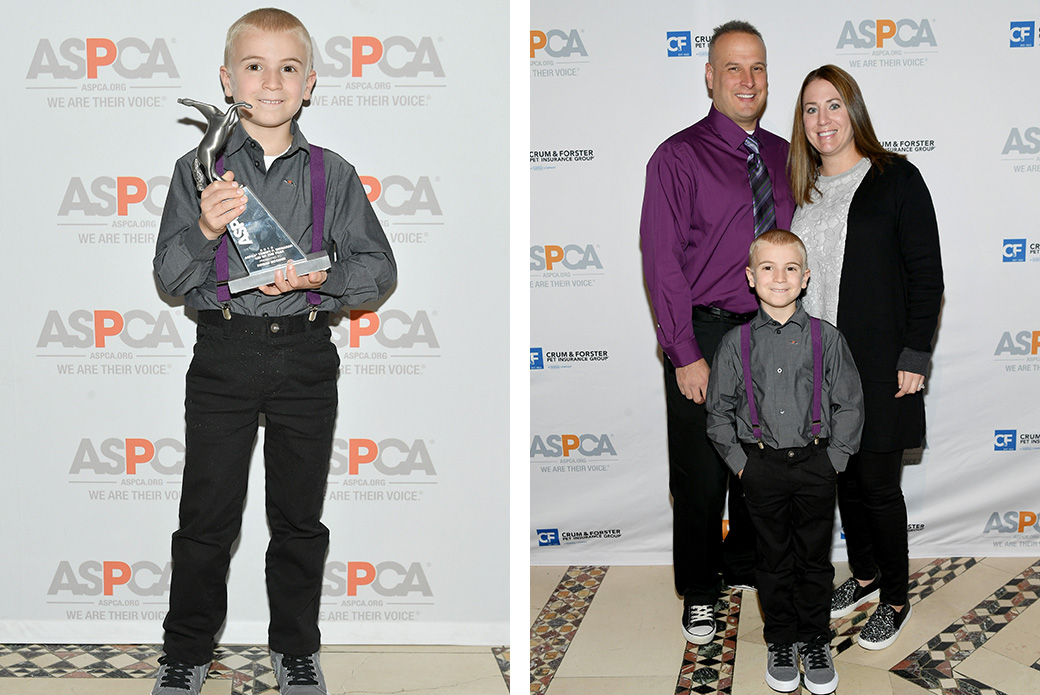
790 496
242 368
697 478
873 515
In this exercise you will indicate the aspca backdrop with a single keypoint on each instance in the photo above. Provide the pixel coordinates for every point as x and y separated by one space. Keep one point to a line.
95 355
608 85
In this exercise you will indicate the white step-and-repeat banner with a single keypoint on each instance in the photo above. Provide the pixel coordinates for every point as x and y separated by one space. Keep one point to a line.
95 356
948 84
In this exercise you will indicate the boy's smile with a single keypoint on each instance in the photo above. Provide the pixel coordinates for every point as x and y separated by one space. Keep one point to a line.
271 71
778 278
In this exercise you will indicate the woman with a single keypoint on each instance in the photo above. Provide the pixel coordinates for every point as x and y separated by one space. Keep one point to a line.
868 223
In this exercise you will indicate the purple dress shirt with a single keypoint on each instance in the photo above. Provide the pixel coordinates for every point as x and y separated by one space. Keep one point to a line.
697 225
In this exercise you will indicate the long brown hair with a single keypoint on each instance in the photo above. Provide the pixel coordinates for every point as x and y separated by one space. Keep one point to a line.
803 161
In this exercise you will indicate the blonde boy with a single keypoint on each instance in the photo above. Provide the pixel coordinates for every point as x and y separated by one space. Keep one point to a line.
787 437
262 351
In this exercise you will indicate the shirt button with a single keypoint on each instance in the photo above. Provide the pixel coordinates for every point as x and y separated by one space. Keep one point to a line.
256 163
275 328
790 454
779 370
782 411
778 331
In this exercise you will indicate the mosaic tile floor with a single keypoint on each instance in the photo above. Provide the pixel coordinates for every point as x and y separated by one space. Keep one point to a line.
937 666
247 667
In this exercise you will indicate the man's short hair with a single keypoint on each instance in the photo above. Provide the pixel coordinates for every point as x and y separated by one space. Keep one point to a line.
272 20
735 26
777 237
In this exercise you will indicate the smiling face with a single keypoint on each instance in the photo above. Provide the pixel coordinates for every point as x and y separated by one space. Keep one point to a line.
828 127
271 71
737 78
778 276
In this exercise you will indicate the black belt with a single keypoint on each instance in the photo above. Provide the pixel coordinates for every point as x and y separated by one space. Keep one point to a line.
713 313
265 325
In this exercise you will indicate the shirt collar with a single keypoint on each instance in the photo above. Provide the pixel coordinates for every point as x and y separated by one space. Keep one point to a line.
799 318
240 138
728 131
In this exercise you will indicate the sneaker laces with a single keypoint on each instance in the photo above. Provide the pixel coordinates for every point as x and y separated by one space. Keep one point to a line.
299 670
816 653
783 655
177 675
701 612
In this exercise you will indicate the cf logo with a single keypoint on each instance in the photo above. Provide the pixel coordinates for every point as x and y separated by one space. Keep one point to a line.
1003 439
548 536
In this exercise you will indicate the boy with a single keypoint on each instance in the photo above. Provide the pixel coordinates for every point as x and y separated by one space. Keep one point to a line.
262 351
790 434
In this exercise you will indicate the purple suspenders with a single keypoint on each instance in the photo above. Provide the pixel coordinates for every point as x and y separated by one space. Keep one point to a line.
817 398
317 171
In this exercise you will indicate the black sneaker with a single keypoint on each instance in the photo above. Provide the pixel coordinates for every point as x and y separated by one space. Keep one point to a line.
883 627
698 623
782 668
851 595
177 678
299 675
820 676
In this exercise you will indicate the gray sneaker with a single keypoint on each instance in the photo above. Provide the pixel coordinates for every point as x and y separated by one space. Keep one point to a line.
177 678
820 676
299 675
782 667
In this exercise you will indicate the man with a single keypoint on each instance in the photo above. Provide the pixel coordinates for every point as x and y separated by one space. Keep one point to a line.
709 190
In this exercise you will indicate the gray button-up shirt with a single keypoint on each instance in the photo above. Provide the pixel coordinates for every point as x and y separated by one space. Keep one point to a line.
782 383
363 268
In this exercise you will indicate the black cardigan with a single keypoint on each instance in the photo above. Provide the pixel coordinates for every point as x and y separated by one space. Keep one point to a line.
890 296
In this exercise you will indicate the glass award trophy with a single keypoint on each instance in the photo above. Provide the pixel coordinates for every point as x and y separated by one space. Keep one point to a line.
261 242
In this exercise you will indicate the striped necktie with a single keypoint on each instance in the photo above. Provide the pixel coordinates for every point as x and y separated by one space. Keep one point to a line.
761 188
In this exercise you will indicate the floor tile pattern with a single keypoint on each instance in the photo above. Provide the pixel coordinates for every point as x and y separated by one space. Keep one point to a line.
502 657
708 668
933 666
247 667
558 622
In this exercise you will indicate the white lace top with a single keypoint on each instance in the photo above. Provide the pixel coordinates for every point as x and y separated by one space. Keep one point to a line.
822 226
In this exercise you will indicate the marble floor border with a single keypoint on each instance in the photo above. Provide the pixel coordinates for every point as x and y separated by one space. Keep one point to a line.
248 667
933 666
558 622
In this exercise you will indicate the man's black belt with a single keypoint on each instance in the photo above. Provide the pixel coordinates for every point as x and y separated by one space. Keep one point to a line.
713 313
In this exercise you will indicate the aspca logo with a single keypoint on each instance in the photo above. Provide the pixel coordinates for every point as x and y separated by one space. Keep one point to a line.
396 56
83 329
115 456
873 33
1021 343
391 457
77 58
391 328
557 43
396 195
564 445
106 196
96 578
1025 141
1012 522
385 578
571 257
